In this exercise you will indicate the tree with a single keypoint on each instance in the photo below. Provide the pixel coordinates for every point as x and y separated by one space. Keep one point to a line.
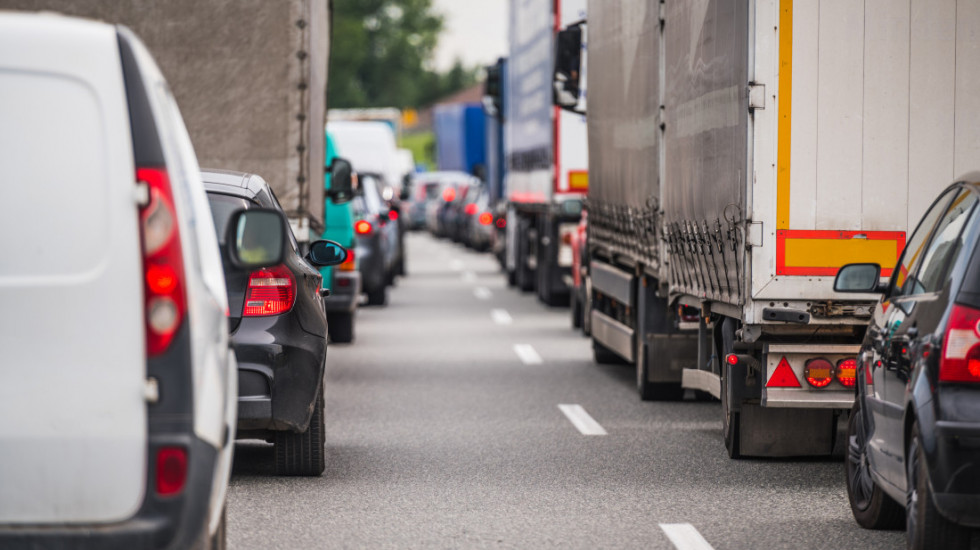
380 55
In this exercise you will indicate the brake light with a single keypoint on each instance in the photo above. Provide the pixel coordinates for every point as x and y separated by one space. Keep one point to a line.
363 227
163 263
171 470
448 194
486 218
271 291
960 361
501 223
470 209
392 214
818 372
783 376
847 371
348 264
732 359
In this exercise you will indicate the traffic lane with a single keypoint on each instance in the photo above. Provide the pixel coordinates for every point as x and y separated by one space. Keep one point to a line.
458 443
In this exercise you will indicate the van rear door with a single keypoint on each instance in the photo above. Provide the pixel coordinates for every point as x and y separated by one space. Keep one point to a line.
72 353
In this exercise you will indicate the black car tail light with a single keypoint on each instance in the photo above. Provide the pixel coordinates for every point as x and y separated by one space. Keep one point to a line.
960 360
271 291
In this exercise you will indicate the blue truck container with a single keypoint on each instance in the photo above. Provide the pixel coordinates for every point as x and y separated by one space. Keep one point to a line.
460 137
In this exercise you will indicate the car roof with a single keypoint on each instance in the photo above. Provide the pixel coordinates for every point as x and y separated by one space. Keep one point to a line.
230 182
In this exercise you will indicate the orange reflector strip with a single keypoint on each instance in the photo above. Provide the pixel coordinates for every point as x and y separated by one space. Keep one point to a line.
783 376
578 180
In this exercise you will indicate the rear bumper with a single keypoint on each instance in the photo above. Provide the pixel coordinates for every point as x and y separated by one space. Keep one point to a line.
955 471
345 292
280 368
371 266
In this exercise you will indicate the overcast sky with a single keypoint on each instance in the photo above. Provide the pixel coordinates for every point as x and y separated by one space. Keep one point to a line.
475 31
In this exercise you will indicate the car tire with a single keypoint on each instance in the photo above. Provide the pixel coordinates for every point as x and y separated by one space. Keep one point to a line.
303 454
340 327
925 526
872 508
377 297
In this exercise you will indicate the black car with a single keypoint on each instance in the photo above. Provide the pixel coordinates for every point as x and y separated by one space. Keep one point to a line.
278 330
376 234
914 432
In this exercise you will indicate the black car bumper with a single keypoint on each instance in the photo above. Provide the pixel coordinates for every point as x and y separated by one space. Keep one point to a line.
371 265
280 367
955 471
345 292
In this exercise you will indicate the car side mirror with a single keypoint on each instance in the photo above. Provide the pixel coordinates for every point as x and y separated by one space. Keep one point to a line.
859 278
568 66
324 253
341 181
256 238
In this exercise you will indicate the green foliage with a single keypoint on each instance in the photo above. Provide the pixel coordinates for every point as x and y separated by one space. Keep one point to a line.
379 54
423 147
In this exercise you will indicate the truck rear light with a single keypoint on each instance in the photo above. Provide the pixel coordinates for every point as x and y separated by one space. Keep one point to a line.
271 291
171 470
363 227
486 218
847 371
501 223
818 372
392 214
783 376
163 264
731 359
960 361
348 264
470 209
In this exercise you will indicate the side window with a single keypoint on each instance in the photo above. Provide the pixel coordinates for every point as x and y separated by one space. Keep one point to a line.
915 246
292 238
945 246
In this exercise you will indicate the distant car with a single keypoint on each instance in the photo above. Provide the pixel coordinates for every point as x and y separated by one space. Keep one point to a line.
914 431
439 214
376 233
278 329
425 190
479 234
117 409
457 216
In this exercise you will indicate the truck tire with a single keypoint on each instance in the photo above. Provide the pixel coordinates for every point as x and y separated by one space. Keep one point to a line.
604 355
925 526
576 308
303 454
654 391
729 418
340 327
872 508
587 306
377 297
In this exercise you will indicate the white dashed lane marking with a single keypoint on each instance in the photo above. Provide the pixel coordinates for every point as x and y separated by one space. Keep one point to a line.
501 317
527 354
581 420
685 536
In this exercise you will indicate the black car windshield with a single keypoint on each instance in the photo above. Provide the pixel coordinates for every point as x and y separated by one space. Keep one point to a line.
222 207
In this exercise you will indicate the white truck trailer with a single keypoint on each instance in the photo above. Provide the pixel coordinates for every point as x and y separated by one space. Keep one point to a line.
546 153
741 153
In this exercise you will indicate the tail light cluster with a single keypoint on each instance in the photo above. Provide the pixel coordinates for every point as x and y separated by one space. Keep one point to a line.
470 209
171 472
960 361
486 218
501 223
819 372
363 227
163 263
448 194
271 291
348 264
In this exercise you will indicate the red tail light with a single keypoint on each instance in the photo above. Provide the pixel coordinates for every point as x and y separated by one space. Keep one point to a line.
501 223
486 218
271 291
448 194
847 371
392 214
818 372
732 359
163 263
348 264
171 470
363 227
960 361
470 209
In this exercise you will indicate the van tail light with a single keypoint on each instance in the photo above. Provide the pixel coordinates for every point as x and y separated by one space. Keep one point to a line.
486 218
348 264
818 372
783 376
960 361
363 227
171 470
470 209
393 214
271 291
165 303
847 372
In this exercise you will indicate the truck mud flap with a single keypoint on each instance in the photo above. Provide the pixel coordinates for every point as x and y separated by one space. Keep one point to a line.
613 334
668 355
706 381
769 432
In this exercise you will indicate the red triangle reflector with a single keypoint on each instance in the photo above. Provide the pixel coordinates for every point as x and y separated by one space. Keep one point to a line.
783 376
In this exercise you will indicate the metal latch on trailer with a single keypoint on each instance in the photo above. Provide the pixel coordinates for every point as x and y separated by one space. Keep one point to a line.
757 96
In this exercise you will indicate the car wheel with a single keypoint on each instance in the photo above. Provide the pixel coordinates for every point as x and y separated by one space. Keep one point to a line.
377 297
925 527
340 327
872 508
303 454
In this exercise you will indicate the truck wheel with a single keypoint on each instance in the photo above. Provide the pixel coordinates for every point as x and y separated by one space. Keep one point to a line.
587 306
576 310
729 418
872 508
303 454
604 355
925 527
654 391
340 327
377 297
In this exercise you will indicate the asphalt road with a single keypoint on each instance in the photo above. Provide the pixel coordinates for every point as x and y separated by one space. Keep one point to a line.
442 434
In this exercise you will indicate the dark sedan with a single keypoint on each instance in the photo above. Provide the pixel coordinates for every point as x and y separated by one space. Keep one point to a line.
914 432
376 235
278 330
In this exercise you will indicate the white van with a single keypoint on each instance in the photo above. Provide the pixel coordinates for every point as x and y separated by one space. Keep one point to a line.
119 392
370 147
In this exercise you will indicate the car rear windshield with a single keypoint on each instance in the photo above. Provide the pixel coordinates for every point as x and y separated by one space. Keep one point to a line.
222 207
